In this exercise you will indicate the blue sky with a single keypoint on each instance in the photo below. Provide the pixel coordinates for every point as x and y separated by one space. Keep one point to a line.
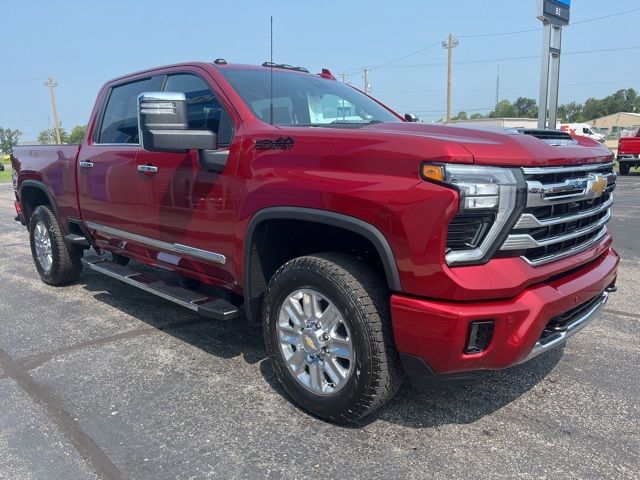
82 44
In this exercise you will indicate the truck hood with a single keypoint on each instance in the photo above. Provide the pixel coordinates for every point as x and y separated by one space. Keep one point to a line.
498 146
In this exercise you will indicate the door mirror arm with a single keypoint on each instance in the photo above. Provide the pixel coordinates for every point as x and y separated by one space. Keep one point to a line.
213 160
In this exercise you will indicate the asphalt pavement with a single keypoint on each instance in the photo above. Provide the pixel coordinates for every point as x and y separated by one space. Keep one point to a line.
99 380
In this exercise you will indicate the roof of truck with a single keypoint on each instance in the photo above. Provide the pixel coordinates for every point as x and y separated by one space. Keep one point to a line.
231 66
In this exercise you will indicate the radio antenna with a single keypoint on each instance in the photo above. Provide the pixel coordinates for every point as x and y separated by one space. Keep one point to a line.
271 78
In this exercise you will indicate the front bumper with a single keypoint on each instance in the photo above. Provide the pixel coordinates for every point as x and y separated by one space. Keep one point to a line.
431 336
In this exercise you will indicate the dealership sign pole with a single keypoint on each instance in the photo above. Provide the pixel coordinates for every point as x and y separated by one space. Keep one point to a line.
554 15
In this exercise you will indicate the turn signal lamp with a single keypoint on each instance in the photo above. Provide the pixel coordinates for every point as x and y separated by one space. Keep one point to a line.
432 172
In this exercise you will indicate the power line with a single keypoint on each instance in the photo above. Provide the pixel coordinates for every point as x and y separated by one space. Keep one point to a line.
605 16
529 30
23 80
498 34
507 59
519 87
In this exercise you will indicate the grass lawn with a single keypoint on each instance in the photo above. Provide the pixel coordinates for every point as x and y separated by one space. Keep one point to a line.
5 177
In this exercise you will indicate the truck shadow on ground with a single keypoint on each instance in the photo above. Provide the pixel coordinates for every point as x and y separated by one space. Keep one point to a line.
411 407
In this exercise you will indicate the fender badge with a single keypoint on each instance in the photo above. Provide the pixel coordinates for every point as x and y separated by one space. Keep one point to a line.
280 143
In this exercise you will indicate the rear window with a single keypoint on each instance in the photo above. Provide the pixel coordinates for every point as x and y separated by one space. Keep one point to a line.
120 119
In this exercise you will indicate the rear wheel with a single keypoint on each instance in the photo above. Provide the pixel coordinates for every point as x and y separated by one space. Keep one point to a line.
624 168
56 262
328 335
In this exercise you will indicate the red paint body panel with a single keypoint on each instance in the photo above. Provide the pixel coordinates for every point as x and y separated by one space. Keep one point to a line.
54 167
436 331
369 173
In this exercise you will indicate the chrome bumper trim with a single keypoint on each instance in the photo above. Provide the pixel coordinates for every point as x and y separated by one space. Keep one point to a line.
560 337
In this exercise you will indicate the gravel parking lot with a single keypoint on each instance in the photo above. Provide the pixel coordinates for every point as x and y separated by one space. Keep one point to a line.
99 380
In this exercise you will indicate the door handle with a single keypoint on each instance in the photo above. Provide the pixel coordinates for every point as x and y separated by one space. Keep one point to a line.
85 164
147 168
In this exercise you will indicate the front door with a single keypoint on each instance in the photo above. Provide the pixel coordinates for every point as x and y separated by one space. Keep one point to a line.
106 167
187 211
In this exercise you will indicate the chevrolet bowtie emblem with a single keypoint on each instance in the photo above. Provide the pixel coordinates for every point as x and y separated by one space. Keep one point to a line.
598 184
308 341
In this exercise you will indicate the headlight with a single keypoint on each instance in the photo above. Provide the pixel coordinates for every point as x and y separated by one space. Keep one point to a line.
488 207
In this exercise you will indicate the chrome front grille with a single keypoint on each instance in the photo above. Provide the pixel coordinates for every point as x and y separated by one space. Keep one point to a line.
566 211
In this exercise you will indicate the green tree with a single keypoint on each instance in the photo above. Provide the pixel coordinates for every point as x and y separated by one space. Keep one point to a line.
624 100
77 134
476 116
8 139
460 116
526 107
48 136
504 108
571 112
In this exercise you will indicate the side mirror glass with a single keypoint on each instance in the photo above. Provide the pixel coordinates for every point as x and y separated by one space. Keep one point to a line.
164 125
410 117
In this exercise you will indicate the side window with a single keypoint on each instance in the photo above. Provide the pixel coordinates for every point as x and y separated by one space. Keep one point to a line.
203 108
120 119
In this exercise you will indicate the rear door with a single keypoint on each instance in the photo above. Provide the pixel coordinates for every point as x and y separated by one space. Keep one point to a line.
107 180
189 212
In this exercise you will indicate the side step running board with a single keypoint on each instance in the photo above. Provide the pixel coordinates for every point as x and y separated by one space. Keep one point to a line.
216 308
75 239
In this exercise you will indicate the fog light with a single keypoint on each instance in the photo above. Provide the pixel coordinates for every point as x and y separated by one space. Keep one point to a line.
480 334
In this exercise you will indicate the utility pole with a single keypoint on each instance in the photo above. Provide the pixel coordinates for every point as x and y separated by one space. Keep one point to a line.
56 125
450 44
344 77
367 88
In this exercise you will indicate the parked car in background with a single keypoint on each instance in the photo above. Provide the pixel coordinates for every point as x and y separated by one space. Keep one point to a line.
629 153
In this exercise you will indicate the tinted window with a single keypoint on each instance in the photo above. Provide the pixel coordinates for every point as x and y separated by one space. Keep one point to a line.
203 108
304 99
120 120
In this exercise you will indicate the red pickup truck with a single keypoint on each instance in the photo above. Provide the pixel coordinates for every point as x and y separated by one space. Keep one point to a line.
369 246
629 153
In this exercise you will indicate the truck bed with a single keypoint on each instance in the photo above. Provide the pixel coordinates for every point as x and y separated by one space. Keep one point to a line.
629 146
53 166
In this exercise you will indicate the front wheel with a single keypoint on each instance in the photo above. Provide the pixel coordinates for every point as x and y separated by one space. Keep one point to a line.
56 263
624 168
328 335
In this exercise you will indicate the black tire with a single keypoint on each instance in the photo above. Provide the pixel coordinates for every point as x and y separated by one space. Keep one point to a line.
120 259
624 168
65 266
362 298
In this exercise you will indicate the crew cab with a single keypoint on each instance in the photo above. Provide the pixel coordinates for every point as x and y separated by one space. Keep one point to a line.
628 153
368 246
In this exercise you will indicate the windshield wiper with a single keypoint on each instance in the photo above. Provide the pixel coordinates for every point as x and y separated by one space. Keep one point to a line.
355 122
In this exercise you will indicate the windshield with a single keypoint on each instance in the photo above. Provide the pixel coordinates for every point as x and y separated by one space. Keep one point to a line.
305 100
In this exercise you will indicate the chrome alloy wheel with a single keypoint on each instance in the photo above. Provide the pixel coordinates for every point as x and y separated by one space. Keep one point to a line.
42 241
315 341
